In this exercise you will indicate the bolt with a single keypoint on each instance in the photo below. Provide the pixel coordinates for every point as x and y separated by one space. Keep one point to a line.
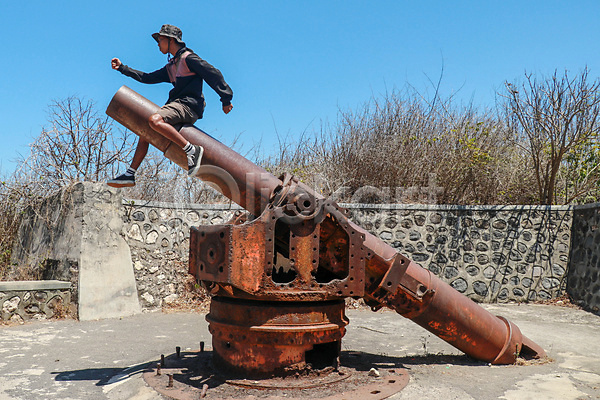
170 385
204 389
178 351
201 347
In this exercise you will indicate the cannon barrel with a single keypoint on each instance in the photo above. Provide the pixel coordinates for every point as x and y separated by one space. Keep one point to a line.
391 280
236 177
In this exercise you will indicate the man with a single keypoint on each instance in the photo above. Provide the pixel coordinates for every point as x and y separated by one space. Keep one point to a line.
186 71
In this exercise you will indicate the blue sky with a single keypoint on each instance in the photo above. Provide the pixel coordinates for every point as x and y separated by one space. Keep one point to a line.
291 64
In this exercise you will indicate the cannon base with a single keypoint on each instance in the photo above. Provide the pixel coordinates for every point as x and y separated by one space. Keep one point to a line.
192 375
275 338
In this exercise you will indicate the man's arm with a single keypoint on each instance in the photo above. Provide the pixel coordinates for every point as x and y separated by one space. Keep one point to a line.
213 78
157 76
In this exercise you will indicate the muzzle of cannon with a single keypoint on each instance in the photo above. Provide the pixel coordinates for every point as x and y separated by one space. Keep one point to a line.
279 275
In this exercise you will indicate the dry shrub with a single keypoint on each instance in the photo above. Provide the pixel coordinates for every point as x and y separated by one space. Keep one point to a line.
61 310
9 218
401 141
192 297
15 197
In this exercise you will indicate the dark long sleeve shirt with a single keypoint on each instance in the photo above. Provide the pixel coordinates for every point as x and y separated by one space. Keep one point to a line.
186 89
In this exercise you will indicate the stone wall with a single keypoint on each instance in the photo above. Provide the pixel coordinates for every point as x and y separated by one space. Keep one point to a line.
583 284
490 254
25 300
158 236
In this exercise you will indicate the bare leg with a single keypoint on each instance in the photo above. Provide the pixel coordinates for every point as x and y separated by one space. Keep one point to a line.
194 153
140 153
128 178
159 125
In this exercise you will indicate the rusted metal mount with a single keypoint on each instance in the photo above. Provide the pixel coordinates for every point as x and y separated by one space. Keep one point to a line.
262 339
400 291
278 283
282 255
191 375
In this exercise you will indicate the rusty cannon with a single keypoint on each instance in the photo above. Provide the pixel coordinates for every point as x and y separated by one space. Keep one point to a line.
279 275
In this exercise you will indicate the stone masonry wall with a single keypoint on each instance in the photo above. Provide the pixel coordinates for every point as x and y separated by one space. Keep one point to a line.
490 254
158 236
583 284
26 300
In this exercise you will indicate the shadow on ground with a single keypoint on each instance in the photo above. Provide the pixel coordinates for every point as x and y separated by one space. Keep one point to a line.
199 370
104 376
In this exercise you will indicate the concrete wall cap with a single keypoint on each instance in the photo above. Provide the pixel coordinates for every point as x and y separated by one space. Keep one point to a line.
449 207
423 207
180 206
587 206
34 285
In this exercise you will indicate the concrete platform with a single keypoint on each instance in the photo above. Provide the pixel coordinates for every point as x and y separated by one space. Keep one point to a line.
105 359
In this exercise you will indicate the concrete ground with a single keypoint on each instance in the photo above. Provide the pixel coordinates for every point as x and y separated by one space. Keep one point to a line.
105 359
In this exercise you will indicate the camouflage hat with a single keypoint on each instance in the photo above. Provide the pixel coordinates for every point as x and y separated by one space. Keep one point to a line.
169 31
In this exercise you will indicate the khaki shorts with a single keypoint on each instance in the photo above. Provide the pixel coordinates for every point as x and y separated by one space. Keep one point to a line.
176 113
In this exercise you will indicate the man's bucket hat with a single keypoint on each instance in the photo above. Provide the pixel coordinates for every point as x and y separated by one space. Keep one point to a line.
169 31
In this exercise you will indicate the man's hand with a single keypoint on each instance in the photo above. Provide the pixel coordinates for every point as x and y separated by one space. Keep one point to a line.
227 108
115 63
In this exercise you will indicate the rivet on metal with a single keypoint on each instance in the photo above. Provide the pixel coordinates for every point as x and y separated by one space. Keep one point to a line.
336 364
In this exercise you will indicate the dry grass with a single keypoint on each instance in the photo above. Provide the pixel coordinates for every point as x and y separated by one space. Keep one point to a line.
193 298
534 361
399 142
561 301
62 310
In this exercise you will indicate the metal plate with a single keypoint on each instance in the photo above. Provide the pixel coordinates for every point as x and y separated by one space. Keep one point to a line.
194 377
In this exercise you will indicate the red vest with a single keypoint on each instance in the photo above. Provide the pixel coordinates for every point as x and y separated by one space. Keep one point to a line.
179 68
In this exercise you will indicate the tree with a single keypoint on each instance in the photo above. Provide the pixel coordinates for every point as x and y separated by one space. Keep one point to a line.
553 116
78 145
581 175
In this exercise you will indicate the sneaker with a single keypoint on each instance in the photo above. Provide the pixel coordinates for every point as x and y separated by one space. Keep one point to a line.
122 181
194 160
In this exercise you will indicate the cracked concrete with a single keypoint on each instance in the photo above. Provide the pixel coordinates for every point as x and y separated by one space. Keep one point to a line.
105 359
